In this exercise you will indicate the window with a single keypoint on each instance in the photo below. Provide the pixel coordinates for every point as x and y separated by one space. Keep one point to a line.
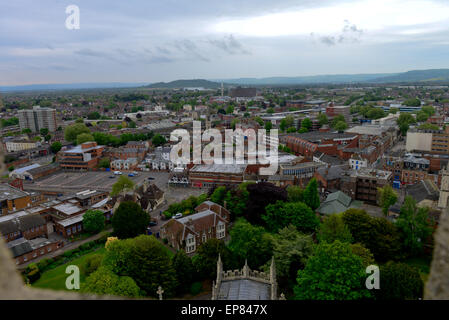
48 249
68 232
204 237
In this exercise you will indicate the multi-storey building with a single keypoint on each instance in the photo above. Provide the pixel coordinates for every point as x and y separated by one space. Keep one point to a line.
363 184
38 118
83 157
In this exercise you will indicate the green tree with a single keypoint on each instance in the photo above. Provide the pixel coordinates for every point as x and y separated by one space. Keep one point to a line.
71 132
259 121
404 121
123 184
43 131
104 163
93 221
333 228
414 102
270 110
322 119
158 140
333 272
205 260
341 126
394 110
250 242
378 235
399 281
311 196
364 253
421 116
146 261
295 194
55 147
91 264
287 122
337 119
230 109
387 198
105 282
184 270
84 137
94 115
291 249
306 123
129 220
281 214
429 110
218 195
47 137
268 126
415 225
26 131
428 126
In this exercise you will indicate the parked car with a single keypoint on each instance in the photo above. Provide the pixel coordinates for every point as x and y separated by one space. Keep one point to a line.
178 215
111 177
117 172
131 175
153 223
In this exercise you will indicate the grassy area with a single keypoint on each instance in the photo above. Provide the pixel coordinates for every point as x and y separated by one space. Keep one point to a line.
55 278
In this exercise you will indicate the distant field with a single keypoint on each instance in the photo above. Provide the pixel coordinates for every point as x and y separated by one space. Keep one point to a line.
55 279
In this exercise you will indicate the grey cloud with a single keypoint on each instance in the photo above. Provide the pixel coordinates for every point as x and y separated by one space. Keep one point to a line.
230 45
190 48
328 40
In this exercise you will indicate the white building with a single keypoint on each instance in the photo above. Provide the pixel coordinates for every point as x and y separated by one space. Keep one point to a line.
357 163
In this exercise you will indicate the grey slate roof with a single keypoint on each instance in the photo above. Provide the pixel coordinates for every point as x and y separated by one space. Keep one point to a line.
21 223
244 289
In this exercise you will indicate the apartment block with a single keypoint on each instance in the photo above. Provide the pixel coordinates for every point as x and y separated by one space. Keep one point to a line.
38 118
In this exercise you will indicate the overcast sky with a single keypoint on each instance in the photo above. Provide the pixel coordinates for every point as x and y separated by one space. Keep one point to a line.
164 40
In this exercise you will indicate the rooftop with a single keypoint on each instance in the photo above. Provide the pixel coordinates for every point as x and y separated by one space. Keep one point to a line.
8 192
244 289
219 168
68 208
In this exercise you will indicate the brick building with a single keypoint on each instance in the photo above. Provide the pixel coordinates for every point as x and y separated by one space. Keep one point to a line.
12 199
81 158
24 250
210 221
22 225
204 175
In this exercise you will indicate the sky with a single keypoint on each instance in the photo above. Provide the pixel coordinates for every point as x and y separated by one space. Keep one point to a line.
151 41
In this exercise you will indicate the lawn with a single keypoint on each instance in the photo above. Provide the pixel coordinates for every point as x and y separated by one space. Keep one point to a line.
55 278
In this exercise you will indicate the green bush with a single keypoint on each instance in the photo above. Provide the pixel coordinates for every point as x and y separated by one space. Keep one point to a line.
196 288
33 275
91 264
43 264
85 246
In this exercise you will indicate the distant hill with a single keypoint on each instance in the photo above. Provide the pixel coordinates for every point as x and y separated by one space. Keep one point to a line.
71 86
337 78
431 75
180 84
